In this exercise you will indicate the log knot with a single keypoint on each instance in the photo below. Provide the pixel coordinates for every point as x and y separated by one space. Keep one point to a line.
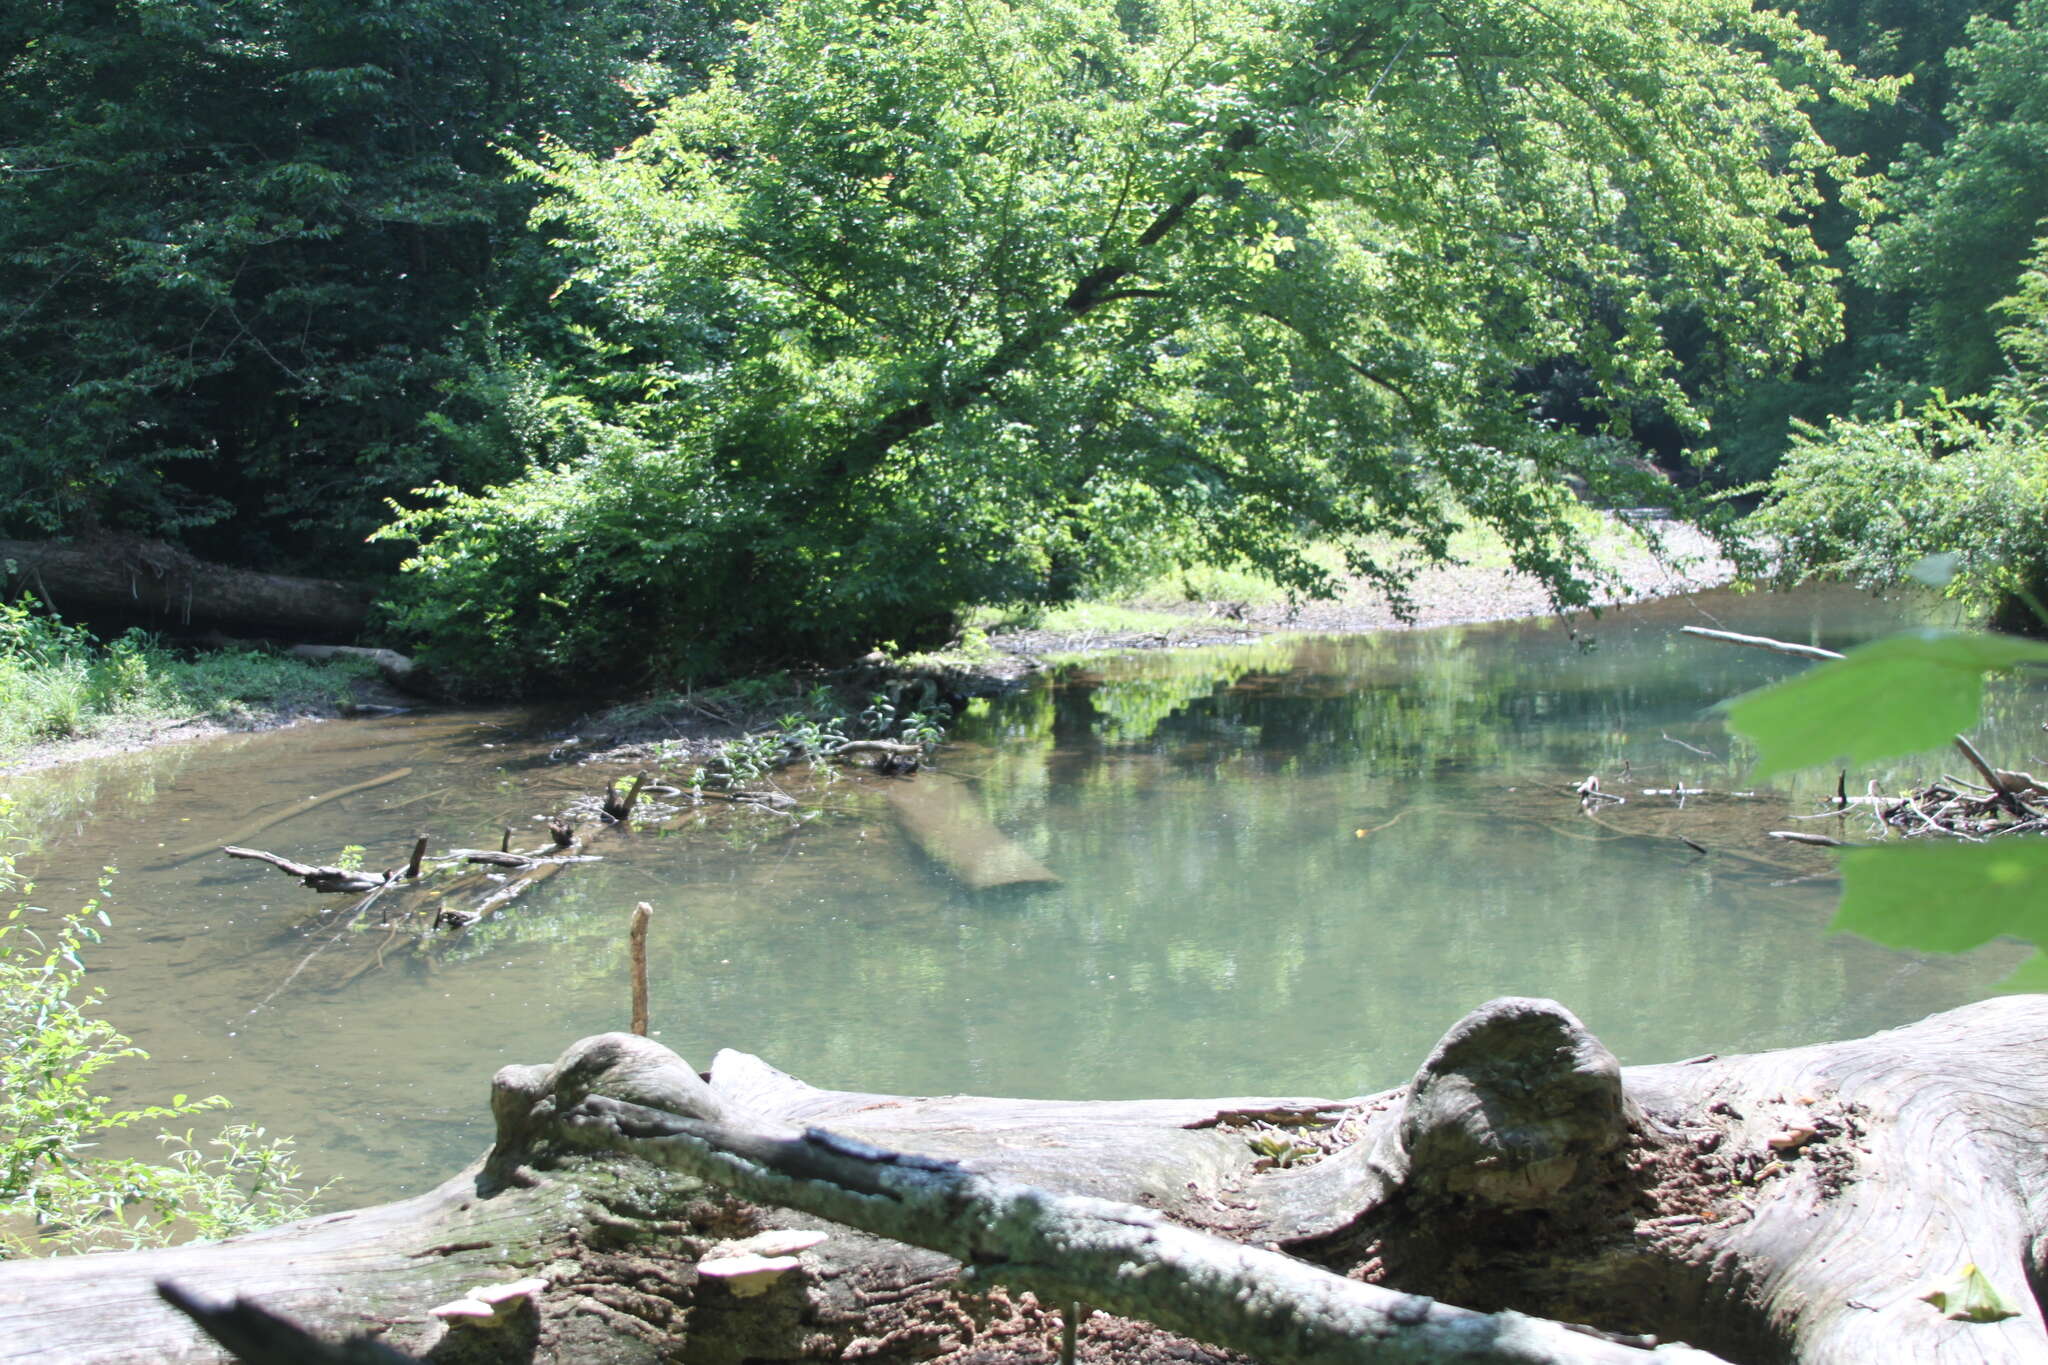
526 1101
1514 1106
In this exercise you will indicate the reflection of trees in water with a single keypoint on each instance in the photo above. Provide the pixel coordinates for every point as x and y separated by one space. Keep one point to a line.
1253 908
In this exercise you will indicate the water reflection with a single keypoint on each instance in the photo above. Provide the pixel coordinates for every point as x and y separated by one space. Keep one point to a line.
1284 868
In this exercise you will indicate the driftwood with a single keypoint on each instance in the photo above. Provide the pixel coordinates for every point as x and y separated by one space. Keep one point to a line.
943 818
1729 637
158 585
328 880
1790 1206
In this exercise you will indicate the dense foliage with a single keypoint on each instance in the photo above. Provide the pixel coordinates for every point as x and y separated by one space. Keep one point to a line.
247 245
924 304
909 304
1954 491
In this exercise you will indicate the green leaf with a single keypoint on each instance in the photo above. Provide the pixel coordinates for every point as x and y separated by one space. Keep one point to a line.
1969 1297
1948 897
1911 691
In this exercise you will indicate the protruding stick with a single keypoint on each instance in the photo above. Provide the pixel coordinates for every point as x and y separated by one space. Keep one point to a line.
620 808
419 855
1729 637
642 913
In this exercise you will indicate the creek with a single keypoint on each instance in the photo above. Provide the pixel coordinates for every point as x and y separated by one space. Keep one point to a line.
1284 868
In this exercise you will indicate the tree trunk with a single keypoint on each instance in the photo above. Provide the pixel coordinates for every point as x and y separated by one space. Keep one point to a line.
151 584
1787 1206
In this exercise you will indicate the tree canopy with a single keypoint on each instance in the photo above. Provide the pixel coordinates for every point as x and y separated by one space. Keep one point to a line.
246 245
926 302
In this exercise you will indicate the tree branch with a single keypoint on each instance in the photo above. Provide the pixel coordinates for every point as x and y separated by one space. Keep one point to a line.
1117 1256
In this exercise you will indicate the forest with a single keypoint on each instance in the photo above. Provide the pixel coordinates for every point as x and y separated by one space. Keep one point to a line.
595 349
655 341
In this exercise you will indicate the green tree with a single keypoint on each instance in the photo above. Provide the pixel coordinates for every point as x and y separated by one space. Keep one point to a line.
1966 211
922 304
1904 40
243 244
1965 480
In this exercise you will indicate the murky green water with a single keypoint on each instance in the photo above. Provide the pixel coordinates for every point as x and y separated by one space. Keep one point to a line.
1221 926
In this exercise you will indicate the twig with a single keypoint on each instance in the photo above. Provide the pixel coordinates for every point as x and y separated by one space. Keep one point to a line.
1703 753
1817 840
1729 637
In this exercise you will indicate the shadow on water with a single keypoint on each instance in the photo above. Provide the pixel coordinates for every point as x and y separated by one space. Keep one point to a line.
1283 868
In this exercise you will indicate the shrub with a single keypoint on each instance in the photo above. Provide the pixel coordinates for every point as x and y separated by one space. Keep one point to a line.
54 1182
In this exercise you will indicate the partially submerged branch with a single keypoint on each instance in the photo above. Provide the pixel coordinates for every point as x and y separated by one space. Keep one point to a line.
1729 637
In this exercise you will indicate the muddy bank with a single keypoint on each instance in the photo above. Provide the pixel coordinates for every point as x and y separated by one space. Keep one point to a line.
686 730
132 734
1447 595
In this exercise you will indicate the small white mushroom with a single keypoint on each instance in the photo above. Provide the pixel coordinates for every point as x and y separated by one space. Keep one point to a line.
746 1275
458 1312
776 1242
488 1305
495 1294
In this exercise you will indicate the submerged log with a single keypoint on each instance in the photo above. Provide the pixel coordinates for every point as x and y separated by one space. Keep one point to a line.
159 585
942 818
1788 1206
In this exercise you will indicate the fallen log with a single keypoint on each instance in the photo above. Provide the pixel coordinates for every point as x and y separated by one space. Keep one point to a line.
1801 1206
942 817
160 586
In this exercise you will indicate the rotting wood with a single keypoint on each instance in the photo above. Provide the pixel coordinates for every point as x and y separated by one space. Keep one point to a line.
1792 1206
327 880
620 808
166 587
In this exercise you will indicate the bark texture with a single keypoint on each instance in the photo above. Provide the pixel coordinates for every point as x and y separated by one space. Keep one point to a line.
1787 1206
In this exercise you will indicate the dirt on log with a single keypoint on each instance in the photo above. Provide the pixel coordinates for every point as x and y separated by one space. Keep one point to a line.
1788 1206
160 586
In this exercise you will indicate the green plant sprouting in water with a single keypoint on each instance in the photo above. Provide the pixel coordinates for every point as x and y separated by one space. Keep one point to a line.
53 1181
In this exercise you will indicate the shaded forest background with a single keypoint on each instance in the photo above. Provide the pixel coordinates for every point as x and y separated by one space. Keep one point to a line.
268 267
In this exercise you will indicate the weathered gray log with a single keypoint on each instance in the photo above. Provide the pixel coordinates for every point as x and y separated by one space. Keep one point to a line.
1783 1206
1068 1248
161 585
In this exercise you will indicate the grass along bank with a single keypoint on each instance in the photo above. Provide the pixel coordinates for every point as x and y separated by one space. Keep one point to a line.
65 693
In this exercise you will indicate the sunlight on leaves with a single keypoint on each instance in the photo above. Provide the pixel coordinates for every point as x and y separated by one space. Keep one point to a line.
1915 690
1950 897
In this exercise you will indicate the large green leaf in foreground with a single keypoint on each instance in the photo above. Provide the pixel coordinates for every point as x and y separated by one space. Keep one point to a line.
1947 897
1910 691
